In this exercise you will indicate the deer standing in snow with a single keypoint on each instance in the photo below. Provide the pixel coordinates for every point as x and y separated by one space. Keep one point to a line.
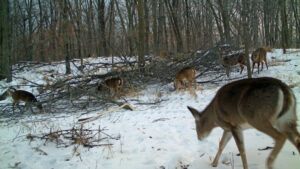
22 95
260 56
185 74
234 59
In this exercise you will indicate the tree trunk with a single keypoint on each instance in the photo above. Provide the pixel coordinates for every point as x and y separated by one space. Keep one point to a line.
284 26
101 20
141 34
129 6
220 29
174 19
5 70
245 11
187 29
295 4
223 7
111 28
66 37
42 34
267 19
155 42
147 29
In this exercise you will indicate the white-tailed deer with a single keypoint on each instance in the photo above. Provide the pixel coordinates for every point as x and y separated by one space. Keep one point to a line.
258 56
266 104
22 95
185 74
115 83
234 59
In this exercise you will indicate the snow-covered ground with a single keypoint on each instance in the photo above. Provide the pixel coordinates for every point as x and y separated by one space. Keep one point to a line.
153 136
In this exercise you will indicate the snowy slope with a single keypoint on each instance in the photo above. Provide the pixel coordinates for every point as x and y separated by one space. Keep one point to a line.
160 136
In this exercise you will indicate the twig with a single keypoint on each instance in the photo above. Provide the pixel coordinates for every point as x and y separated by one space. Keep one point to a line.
266 148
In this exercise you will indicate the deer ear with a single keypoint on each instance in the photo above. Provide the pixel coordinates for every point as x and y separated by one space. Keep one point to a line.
194 112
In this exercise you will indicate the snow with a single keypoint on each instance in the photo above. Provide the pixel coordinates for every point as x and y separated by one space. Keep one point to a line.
160 136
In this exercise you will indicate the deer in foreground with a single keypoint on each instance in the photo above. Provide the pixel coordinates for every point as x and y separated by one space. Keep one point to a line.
231 60
115 84
266 104
22 95
260 56
185 74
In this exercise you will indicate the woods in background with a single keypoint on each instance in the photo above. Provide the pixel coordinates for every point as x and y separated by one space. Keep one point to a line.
51 30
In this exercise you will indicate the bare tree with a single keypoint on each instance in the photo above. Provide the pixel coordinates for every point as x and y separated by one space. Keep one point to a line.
101 22
4 41
284 26
245 18
141 34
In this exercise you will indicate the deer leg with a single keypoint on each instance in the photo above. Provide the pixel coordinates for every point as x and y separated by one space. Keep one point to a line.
227 71
242 68
182 83
176 85
239 140
278 138
195 83
30 106
262 66
253 64
266 63
278 145
258 64
190 84
13 107
293 135
225 138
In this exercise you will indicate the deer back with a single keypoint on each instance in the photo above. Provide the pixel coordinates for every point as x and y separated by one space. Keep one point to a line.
21 95
231 60
186 73
250 101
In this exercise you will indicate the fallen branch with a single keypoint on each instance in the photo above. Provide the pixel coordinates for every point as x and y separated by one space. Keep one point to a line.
84 120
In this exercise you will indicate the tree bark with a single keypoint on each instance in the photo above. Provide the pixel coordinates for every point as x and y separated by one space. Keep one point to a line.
4 41
66 37
101 20
147 29
223 7
284 26
141 34
173 17
245 11
155 42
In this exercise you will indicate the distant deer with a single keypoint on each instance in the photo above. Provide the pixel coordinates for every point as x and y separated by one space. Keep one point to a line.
22 95
258 56
234 59
115 83
185 74
266 104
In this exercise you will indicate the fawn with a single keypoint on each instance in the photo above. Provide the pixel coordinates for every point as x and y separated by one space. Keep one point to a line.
115 83
258 56
266 104
187 73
